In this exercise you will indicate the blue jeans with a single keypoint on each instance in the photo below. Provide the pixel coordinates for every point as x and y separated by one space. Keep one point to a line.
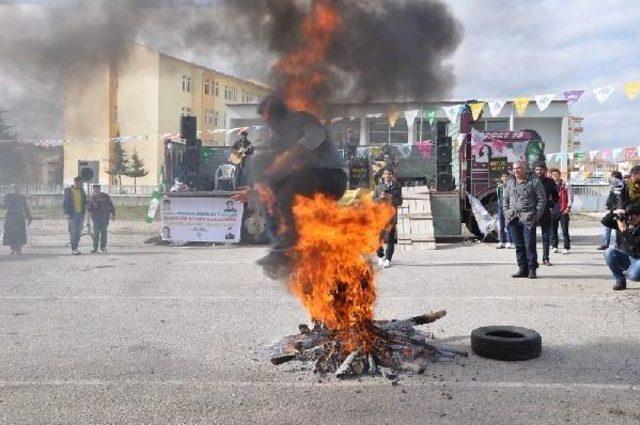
606 237
524 238
76 222
504 235
619 261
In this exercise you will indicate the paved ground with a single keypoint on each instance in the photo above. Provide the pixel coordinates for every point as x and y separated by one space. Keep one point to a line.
158 335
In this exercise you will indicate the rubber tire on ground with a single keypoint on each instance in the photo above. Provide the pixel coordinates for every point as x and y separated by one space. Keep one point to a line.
509 343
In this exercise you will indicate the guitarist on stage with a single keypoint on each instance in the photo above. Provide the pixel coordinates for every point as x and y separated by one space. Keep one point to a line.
239 152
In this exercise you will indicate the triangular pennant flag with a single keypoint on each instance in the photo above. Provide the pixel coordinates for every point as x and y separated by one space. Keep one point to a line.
411 116
521 103
606 154
572 96
374 115
453 112
570 156
496 105
404 150
592 155
476 109
629 153
430 116
631 89
603 93
616 153
544 100
549 157
393 117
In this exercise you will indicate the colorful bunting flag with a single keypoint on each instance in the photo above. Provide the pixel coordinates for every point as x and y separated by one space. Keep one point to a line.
603 93
393 117
496 105
411 116
430 116
616 154
544 100
425 148
476 109
631 89
520 104
453 112
579 156
606 154
592 155
629 153
572 96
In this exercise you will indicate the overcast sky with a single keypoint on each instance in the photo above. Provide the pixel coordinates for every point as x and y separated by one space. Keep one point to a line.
510 48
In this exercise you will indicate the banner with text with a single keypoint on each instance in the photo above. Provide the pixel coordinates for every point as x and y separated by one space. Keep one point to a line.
201 220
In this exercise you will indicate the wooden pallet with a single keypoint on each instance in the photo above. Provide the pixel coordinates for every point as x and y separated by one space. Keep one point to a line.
415 221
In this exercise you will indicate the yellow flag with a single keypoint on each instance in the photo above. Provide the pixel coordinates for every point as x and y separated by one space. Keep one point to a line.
476 108
521 104
393 117
632 89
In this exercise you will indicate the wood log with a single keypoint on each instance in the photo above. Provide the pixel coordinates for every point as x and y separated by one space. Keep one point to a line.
412 321
278 360
344 368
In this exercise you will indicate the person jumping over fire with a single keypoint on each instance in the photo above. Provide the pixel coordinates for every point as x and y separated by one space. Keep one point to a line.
301 160
388 191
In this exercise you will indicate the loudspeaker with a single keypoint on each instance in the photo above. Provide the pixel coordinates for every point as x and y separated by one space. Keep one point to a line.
444 167
192 161
444 181
444 156
444 142
188 127
441 129
88 171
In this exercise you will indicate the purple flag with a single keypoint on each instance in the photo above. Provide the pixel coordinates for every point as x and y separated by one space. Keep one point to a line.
573 96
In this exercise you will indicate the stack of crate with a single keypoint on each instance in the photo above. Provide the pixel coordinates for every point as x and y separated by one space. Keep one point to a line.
415 221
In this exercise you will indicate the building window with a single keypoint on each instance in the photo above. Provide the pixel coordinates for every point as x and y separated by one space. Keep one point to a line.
207 87
379 132
226 92
186 84
216 119
209 118
235 93
217 84
429 132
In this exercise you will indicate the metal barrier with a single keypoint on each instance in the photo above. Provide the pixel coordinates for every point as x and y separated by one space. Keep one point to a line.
589 198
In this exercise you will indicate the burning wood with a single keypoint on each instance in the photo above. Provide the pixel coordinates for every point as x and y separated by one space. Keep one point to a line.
395 347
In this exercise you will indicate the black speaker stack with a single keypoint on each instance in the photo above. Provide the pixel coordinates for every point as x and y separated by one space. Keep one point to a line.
444 176
189 133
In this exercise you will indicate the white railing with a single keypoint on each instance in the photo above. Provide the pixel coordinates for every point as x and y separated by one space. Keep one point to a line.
38 189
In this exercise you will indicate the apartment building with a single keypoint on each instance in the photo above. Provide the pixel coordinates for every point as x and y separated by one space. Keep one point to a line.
131 90
575 130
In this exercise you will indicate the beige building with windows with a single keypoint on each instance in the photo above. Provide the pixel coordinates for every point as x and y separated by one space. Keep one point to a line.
130 90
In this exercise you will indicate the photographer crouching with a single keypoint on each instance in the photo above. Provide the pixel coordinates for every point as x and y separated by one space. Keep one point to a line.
624 262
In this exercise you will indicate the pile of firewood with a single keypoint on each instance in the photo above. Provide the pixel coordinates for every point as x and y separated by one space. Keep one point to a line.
390 348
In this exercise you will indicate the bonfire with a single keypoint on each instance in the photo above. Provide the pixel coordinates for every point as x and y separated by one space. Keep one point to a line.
334 278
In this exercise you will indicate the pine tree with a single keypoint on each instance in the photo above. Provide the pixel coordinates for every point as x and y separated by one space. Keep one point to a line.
136 169
119 164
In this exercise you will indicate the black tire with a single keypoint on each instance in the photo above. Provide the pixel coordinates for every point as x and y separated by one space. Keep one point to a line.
507 343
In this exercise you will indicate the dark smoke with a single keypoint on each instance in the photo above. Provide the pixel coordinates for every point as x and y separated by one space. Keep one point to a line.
385 50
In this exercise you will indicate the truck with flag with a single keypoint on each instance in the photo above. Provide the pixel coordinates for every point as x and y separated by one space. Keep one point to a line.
482 156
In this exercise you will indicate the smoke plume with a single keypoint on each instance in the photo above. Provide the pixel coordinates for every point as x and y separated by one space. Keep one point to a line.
383 50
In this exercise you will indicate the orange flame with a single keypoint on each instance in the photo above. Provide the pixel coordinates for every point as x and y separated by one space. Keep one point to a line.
333 278
302 68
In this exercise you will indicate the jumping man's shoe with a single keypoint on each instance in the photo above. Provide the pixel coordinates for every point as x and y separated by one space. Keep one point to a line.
533 274
386 264
94 251
521 273
619 286
510 245
76 252
500 246
565 251
381 261
602 247
556 250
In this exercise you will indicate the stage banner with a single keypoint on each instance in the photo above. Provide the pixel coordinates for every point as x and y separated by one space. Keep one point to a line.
201 220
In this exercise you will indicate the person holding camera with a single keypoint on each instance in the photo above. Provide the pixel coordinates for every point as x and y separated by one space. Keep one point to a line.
624 262
618 199
388 191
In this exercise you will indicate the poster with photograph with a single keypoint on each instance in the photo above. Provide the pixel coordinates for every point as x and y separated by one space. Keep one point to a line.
201 219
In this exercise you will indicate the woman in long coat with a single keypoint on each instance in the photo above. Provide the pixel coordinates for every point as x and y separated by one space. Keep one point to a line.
15 223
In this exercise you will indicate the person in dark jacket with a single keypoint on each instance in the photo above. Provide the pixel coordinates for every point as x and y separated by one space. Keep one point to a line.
74 206
503 232
524 204
101 209
551 193
15 223
388 191
624 262
618 199
242 149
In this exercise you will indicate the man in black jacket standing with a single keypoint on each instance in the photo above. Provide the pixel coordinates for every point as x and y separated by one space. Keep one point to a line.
625 262
551 193
74 207
388 191
102 210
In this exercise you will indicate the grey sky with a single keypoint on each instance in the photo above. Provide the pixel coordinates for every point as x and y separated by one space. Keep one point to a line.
510 48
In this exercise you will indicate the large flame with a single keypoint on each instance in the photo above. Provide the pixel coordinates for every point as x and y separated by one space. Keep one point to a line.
302 69
333 277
